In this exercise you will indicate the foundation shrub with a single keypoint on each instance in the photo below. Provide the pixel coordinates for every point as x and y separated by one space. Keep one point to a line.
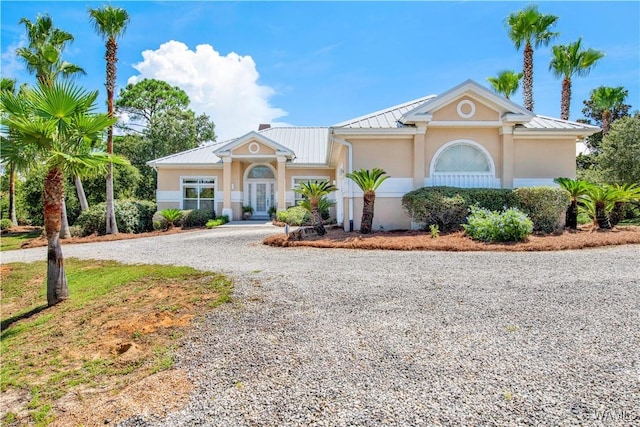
196 217
132 216
512 225
296 215
448 207
5 224
218 221
546 206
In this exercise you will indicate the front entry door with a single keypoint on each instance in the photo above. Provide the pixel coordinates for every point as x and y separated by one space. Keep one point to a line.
261 198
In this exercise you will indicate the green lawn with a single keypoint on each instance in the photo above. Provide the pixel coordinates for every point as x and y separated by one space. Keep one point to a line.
11 241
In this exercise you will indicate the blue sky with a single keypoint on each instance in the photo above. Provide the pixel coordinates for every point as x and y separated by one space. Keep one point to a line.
319 63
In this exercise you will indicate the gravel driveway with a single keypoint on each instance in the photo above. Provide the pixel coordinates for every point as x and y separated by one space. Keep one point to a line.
350 337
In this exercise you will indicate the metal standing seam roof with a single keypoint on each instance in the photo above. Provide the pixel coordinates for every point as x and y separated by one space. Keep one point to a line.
310 144
551 123
199 155
387 118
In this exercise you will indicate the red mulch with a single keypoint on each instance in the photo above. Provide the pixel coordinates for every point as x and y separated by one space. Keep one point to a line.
420 240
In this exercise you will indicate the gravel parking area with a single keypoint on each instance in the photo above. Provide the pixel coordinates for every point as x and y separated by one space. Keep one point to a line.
349 337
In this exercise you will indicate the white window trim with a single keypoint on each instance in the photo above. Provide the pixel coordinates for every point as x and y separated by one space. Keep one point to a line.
436 156
246 181
296 196
183 184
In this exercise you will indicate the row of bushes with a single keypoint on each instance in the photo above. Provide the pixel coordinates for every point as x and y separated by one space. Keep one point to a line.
188 219
449 207
132 216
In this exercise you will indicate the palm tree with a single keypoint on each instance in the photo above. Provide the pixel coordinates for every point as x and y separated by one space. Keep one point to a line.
506 82
314 191
57 124
530 27
368 181
42 57
601 199
607 99
576 189
627 193
567 61
110 22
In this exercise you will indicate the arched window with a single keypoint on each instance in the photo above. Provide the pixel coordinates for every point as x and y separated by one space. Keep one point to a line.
462 158
261 172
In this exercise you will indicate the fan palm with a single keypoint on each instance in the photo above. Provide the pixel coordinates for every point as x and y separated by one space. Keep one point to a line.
576 189
314 191
368 181
601 199
627 193
56 122
530 28
506 82
607 99
567 61
110 23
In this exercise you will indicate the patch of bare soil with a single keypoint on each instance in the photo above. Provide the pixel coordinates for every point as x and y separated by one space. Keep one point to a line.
42 240
585 237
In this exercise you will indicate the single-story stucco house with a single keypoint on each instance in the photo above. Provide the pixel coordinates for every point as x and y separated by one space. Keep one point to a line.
467 136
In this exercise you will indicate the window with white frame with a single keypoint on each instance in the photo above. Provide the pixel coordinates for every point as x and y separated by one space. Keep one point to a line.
462 158
304 179
198 193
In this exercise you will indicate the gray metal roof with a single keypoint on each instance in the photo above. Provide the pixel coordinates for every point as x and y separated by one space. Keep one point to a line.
310 145
387 118
551 123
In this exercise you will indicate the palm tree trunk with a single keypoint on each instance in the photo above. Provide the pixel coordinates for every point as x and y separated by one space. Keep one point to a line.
111 58
317 217
12 195
65 233
572 215
527 77
57 287
601 216
617 213
369 199
606 122
82 198
565 103
111 226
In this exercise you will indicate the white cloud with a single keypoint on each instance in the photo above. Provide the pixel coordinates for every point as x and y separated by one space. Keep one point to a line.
11 65
224 87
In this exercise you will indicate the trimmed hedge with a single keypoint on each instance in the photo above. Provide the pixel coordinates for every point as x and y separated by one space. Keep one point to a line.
448 207
296 215
132 216
196 217
546 206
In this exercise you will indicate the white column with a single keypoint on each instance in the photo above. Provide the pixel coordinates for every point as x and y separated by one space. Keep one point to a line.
226 187
281 183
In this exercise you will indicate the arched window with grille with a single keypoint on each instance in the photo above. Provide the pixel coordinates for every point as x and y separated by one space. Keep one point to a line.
463 163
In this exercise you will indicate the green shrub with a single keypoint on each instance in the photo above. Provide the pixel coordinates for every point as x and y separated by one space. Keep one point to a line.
296 215
447 207
197 217
132 216
546 206
217 222
5 224
172 216
324 204
511 225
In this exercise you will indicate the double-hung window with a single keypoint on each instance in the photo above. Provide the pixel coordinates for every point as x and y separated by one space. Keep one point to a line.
198 193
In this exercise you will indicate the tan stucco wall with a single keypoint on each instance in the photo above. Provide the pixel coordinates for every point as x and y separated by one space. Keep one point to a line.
244 149
544 158
291 173
393 155
387 211
169 179
449 111
489 138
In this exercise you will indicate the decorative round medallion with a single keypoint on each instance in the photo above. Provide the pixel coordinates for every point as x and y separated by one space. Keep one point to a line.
254 147
466 109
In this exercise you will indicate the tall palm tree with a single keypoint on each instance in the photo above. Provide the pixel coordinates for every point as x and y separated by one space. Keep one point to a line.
110 23
43 57
57 123
506 82
576 188
368 181
569 60
607 99
530 28
314 191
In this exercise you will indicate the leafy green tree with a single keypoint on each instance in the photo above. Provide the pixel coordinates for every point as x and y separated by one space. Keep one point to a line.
160 124
604 106
620 157
569 60
576 188
110 23
314 191
506 82
58 124
368 181
530 28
